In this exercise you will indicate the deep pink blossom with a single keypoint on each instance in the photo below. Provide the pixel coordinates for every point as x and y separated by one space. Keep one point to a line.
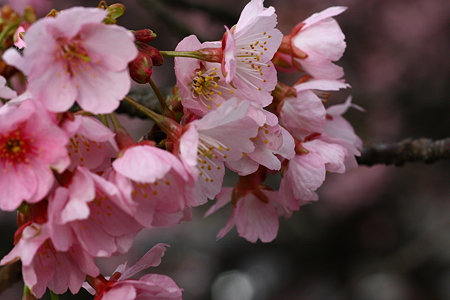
88 213
91 144
248 48
74 56
148 287
155 185
31 145
43 266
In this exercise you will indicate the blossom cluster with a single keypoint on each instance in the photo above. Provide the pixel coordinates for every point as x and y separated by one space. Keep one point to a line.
83 188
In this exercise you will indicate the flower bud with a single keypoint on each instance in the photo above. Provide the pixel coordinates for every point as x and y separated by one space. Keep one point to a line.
152 52
114 11
141 68
144 35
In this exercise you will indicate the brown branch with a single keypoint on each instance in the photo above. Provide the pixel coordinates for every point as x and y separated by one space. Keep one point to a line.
408 150
10 274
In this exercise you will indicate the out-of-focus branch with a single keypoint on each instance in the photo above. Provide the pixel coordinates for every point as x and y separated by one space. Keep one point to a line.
10 274
409 150
163 13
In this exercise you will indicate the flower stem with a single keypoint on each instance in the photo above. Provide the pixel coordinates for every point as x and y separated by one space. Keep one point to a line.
27 294
104 120
165 109
191 54
206 54
53 295
168 125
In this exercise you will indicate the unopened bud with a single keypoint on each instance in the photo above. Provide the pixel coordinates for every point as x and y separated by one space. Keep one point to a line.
114 11
141 68
152 52
144 35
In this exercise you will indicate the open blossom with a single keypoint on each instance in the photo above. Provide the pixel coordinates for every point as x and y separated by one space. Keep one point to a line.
201 85
154 184
43 266
74 56
148 287
31 145
88 213
205 144
255 210
304 112
248 48
338 127
91 144
306 172
314 44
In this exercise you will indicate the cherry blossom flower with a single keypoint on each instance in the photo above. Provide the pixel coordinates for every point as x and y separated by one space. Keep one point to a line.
91 144
316 43
155 185
338 127
88 213
43 266
83 59
201 85
255 210
221 135
31 145
304 112
305 173
148 287
248 48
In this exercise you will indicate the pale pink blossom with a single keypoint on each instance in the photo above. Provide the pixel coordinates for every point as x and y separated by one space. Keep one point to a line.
221 135
148 287
248 48
31 145
43 266
155 185
317 42
338 127
74 56
306 172
91 144
304 112
201 85
271 142
88 213
255 208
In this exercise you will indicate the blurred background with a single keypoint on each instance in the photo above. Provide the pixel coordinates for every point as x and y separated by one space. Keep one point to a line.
376 233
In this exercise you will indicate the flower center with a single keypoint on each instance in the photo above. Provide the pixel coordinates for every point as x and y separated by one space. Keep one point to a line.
14 148
206 84
73 55
208 152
